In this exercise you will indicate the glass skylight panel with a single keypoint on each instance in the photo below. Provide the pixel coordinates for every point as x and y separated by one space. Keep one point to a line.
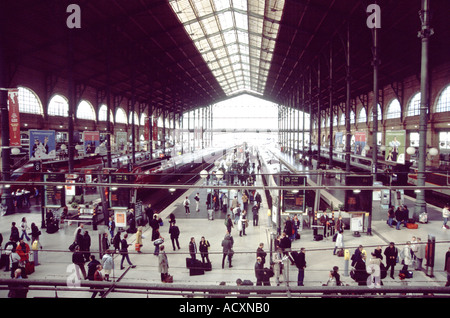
235 37
240 4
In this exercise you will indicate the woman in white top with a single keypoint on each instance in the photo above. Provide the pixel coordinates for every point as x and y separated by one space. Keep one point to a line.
445 215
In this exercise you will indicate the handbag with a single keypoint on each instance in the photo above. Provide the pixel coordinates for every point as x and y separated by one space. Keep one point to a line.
158 241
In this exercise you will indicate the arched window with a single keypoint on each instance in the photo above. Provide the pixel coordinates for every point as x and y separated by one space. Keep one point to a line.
342 122
121 116
414 105
362 118
136 119
335 120
85 111
394 110
142 121
29 103
352 117
443 104
58 106
379 113
102 113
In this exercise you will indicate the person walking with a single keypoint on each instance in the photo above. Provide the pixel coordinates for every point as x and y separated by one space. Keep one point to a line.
237 213
197 202
98 277
174 232
111 227
116 241
445 215
124 251
24 227
204 250
15 236
78 260
227 249
229 223
107 264
157 241
391 253
186 203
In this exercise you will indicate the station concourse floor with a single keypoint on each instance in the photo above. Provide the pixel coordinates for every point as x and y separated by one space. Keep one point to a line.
55 257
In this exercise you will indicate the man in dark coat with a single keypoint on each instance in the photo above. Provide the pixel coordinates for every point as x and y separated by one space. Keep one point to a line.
174 232
391 254
300 262
259 271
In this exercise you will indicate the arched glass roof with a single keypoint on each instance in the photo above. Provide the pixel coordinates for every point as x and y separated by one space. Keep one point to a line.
236 38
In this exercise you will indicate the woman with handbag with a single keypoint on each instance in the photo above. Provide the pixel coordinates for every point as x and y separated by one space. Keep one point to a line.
157 241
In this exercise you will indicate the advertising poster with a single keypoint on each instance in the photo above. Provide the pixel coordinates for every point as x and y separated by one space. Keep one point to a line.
339 141
120 218
121 141
395 146
91 142
360 142
42 144
14 118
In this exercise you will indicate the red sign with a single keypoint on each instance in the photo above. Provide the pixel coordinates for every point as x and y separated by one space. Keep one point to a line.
14 118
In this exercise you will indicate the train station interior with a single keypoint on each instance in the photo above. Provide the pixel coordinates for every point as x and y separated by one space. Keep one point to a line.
327 122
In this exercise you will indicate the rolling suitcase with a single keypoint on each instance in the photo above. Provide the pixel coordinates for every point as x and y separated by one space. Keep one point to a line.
318 237
29 268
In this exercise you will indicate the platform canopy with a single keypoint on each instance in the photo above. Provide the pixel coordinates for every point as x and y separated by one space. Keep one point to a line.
184 54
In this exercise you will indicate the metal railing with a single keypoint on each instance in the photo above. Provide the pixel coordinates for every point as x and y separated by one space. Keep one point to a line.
208 291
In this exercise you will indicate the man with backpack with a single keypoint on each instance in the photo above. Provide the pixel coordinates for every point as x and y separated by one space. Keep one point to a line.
186 205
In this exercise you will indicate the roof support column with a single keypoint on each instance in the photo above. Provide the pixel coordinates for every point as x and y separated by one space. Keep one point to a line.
133 102
150 128
298 122
319 112
6 198
424 34
310 118
303 117
347 106
71 99
330 159
376 63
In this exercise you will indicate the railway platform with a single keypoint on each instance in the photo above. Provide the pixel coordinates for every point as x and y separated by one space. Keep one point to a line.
55 258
